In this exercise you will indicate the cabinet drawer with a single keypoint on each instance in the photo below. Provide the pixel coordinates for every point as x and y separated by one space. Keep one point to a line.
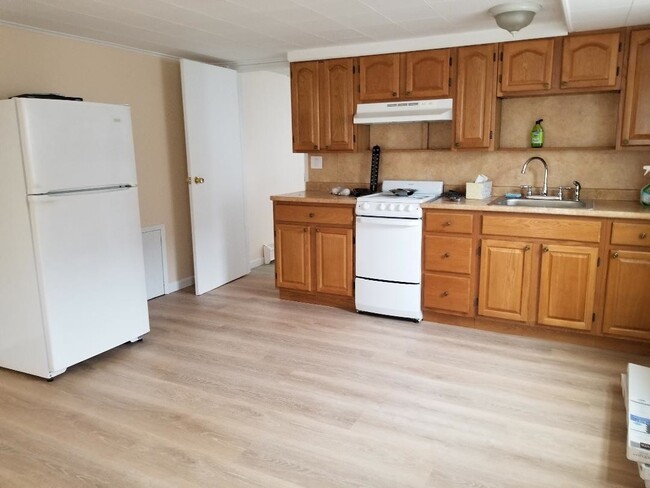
448 293
631 234
453 223
445 253
314 214
565 229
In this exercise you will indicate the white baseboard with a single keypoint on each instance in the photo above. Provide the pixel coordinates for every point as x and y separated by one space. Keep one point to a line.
173 286
256 262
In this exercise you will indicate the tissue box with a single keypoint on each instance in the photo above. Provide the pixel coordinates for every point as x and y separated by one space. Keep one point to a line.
478 191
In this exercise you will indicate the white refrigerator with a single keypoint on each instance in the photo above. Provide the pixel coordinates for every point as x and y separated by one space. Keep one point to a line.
72 279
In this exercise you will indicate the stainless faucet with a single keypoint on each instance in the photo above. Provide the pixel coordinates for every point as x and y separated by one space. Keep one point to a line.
525 167
576 194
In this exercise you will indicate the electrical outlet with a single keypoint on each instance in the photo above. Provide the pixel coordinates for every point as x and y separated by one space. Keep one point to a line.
316 162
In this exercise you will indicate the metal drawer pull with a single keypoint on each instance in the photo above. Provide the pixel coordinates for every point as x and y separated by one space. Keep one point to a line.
527 248
615 255
643 235
444 294
447 224
546 249
445 255
312 215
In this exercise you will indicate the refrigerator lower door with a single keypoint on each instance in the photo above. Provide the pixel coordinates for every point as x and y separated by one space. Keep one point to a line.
88 248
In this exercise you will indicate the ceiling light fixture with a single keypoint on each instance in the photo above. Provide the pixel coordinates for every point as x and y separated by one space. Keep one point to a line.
514 16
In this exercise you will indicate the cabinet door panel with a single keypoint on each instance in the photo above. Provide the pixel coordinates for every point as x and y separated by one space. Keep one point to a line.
426 74
527 65
636 111
379 77
504 288
304 106
475 96
567 286
590 61
334 262
293 257
337 104
627 299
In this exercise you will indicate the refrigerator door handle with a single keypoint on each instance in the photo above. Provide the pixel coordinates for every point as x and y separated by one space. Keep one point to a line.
71 193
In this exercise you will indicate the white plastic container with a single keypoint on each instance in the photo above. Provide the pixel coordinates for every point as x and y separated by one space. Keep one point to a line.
478 191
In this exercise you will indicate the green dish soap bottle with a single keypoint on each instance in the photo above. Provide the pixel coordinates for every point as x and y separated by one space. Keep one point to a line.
537 134
645 191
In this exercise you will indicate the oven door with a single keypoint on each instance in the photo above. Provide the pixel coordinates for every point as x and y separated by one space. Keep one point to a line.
389 249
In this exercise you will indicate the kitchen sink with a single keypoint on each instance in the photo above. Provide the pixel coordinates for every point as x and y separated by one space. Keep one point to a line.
540 203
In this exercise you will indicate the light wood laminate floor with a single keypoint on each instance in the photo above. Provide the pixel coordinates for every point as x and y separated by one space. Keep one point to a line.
240 389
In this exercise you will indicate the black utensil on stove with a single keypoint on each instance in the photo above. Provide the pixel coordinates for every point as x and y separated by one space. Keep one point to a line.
403 192
374 168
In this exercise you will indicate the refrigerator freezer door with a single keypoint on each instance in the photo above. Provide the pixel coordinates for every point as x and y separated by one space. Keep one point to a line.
71 145
88 250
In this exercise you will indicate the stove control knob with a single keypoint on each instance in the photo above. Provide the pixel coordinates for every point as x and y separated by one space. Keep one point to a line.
401 207
382 206
410 208
391 206
365 206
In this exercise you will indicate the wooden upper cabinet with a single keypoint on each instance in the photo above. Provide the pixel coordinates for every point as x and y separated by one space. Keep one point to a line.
304 106
475 97
379 77
636 110
413 75
426 74
337 104
526 65
591 61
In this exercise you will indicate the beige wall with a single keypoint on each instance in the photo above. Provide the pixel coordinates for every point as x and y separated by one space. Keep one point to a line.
33 62
580 135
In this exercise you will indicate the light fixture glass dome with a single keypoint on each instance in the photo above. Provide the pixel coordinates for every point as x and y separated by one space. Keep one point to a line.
514 16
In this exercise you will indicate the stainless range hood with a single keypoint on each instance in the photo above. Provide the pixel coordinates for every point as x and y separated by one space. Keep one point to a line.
410 111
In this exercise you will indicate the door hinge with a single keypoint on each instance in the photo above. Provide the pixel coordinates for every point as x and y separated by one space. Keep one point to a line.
354 138
354 69
620 47
618 70
359 88
478 251
449 81
500 78
501 56
491 135
476 302
597 262
593 317
354 240
494 57
450 60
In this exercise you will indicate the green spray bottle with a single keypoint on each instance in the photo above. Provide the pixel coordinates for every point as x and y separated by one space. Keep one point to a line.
645 191
537 134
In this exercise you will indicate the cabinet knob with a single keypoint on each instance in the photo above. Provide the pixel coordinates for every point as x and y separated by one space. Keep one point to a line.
564 83
447 223
408 93
545 249
457 144
327 147
394 94
317 230
444 294
445 255
527 248
315 146
614 255
311 215
547 85
626 142
643 235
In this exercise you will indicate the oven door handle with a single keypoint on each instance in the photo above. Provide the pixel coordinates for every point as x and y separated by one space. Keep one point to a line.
389 222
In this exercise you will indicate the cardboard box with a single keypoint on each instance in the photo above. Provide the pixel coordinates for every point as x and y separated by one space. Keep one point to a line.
478 191
638 416
644 469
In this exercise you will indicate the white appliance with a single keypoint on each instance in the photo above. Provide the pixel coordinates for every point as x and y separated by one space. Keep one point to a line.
72 279
389 248
409 111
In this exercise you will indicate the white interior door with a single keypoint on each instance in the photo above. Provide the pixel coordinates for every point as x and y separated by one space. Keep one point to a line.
214 163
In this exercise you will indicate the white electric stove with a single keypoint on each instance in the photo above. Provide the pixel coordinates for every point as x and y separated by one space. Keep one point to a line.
389 248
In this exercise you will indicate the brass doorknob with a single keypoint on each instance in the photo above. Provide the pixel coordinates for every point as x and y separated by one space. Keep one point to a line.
198 180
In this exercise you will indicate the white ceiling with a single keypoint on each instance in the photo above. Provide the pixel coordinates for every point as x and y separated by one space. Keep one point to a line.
247 33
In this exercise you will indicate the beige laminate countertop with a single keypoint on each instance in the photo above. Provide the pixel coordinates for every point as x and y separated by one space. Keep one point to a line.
599 208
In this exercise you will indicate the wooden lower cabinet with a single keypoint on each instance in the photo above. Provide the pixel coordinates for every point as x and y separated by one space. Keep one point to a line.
504 287
447 293
567 286
293 256
627 298
314 252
